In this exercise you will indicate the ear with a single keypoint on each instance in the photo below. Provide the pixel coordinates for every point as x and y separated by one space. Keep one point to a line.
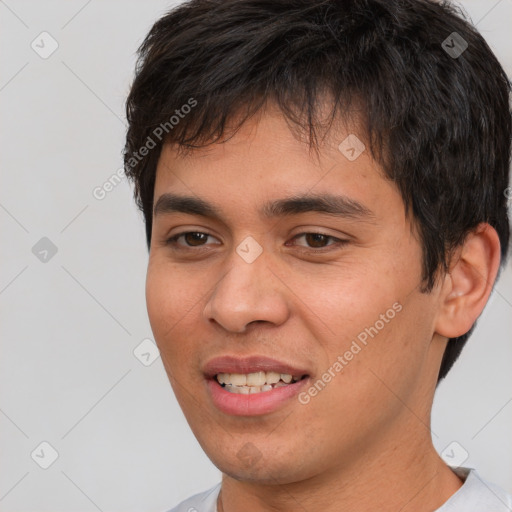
469 282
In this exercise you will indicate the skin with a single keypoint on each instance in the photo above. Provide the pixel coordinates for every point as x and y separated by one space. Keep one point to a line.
363 442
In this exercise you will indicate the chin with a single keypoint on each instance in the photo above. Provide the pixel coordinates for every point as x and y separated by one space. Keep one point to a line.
269 468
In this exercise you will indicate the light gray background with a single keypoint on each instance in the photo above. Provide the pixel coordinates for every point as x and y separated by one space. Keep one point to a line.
70 325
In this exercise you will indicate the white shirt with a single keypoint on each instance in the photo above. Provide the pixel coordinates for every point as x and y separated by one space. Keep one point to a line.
475 495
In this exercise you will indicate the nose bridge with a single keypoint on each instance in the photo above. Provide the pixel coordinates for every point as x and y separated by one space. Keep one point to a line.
247 292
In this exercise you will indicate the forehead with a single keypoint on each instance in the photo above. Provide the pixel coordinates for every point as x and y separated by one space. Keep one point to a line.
265 160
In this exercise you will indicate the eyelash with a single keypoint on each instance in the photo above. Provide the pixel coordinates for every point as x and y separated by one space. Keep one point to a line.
172 241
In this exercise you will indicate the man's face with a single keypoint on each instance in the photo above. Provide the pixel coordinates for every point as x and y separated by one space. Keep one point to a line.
336 297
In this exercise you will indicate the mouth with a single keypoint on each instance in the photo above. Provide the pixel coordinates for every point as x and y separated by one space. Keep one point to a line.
253 385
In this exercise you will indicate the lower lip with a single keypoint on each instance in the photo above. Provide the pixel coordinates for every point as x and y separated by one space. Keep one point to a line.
254 404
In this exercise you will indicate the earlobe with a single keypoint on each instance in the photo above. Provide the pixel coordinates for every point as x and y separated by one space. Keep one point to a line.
469 282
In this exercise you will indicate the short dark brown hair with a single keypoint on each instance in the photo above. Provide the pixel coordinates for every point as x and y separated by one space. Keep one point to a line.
435 100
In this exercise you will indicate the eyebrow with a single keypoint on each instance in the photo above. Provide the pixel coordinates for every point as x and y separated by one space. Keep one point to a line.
337 205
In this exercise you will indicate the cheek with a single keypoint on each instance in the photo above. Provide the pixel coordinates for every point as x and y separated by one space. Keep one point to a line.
159 301
343 300
169 301
385 359
372 380
171 305
373 317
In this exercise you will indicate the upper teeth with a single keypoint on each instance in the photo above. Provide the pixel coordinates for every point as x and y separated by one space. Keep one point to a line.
254 379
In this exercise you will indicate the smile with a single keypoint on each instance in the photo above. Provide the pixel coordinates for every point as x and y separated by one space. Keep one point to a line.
257 382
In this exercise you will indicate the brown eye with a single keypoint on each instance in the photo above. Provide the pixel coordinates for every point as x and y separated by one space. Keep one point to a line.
195 238
318 240
191 238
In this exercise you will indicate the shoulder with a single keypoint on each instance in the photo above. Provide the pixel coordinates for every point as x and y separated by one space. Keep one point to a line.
477 495
203 502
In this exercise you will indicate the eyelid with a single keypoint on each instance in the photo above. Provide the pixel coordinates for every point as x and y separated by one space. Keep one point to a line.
173 238
337 242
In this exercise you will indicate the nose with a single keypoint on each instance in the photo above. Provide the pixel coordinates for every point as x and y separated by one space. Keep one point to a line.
247 293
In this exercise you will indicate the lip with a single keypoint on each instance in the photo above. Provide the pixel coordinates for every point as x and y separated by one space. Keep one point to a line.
251 364
253 404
